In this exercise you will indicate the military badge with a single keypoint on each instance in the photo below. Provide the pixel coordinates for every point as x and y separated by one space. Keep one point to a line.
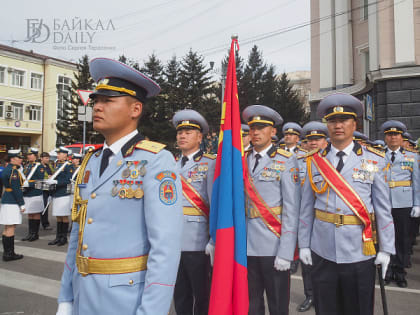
139 193
167 189
126 172
130 191
122 193
143 168
114 190
295 175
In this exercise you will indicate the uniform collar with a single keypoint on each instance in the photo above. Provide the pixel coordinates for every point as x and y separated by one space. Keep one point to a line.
263 152
194 155
118 145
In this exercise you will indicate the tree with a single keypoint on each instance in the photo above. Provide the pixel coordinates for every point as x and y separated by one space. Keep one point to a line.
288 102
198 90
69 128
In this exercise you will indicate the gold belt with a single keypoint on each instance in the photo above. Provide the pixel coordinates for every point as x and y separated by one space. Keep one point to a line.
8 189
252 213
88 265
339 219
191 211
401 183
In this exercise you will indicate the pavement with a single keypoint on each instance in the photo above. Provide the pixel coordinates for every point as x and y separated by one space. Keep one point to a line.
31 285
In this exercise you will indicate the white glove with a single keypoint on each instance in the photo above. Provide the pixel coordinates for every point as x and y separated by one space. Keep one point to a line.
281 264
305 256
210 252
64 308
383 259
415 212
25 184
51 181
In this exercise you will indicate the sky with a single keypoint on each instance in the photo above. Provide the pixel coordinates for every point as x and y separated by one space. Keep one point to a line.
69 29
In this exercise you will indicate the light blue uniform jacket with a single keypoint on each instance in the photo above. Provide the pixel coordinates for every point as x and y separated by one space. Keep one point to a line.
199 171
127 228
343 244
404 168
283 191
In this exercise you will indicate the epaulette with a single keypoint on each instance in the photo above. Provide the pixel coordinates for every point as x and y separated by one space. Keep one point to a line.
376 151
312 152
302 149
14 167
209 156
412 150
151 146
284 152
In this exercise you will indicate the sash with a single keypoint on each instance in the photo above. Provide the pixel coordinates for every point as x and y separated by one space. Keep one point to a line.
192 195
75 174
32 172
265 212
57 172
350 197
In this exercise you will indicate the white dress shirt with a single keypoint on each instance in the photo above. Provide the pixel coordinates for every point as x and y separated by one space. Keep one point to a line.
117 145
347 150
262 153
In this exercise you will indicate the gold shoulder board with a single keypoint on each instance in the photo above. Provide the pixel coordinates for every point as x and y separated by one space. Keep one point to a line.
376 151
151 146
284 153
311 152
209 156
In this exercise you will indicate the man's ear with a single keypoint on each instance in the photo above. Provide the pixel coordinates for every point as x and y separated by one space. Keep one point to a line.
137 107
273 131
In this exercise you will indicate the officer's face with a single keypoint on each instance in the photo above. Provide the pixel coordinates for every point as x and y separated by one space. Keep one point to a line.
245 140
291 139
261 135
115 115
45 159
319 143
188 139
393 140
341 128
31 157
16 161
61 156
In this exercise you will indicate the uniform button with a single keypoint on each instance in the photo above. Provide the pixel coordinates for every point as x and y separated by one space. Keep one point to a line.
90 220
338 209
131 282
93 196
85 247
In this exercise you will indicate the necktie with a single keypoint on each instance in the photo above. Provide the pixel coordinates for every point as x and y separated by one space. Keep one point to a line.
105 160
393 156
257 158
184 160
340 164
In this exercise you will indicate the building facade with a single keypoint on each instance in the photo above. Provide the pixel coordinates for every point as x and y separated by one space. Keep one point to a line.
370 49
33 90
301 81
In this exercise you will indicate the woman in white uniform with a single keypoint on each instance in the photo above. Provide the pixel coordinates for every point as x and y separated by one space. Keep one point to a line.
12 204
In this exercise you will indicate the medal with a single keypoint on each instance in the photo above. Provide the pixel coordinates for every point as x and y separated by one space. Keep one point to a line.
135 173
122 193
114 190
139 193
130 191
143 168
126 172
189 179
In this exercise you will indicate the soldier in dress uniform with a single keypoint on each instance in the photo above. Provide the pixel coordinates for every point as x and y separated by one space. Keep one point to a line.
379 144
61 199
273 190
403 177
344 198
12 203
34 202
125 243
45 161
246 143
196 169
359 137
315 134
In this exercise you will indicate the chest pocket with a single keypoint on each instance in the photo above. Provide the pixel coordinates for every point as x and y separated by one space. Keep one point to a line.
197 219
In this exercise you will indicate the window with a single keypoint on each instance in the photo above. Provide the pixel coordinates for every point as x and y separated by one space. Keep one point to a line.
36 81
1 109
35 113
18 78
18 109
2 75
63 95
365 10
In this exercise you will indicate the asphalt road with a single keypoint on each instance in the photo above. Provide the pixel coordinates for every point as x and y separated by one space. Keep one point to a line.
31 285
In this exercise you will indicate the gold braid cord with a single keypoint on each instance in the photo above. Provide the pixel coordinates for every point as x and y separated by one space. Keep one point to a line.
324 186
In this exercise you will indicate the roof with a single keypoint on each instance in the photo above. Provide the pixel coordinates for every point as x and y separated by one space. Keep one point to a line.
32 54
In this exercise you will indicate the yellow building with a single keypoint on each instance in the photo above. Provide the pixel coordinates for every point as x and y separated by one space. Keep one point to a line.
33 89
